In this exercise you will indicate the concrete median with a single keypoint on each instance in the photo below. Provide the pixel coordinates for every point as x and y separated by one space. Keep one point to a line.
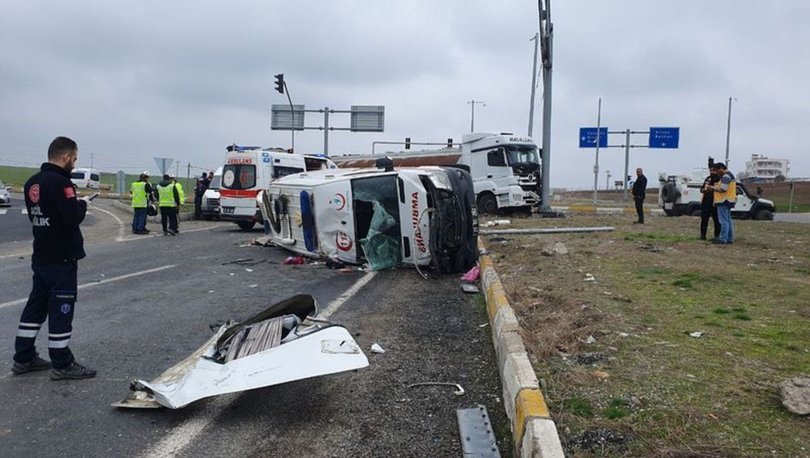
534 432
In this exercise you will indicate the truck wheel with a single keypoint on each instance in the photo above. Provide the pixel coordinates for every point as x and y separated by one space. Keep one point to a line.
246 225
764 215
487 204
670 193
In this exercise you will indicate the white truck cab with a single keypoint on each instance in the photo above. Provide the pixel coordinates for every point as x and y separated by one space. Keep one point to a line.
418 216
680 195
505 168
249 169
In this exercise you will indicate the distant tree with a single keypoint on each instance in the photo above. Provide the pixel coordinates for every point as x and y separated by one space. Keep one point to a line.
779 178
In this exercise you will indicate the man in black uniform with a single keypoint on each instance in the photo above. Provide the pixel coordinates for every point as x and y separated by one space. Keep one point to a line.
55 213
639 193
707 208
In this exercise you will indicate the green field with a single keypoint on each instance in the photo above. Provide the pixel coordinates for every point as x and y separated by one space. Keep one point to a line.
17 176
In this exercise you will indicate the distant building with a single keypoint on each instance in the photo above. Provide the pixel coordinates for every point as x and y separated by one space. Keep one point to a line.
761 168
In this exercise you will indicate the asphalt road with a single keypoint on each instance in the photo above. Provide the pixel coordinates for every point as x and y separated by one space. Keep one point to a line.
14 224
149 302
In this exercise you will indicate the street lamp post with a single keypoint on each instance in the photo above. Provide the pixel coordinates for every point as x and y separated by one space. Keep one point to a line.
472 113
728 127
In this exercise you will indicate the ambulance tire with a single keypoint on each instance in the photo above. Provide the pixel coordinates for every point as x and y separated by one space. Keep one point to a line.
246 225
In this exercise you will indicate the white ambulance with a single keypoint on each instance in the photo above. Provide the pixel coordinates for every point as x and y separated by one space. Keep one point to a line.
249 169
423 216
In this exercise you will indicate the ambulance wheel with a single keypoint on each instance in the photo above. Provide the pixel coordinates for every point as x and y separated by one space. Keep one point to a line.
246 225
487 204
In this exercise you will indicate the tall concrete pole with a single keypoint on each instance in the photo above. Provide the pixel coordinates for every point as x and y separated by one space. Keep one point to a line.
728 129
534 83
547 44
472 113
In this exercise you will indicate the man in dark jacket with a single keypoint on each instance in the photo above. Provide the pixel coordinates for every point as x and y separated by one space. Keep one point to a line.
199 189
707 208
639 193
55 213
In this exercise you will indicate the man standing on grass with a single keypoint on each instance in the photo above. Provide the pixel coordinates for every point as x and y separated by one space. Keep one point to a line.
725 197
707 208
639 193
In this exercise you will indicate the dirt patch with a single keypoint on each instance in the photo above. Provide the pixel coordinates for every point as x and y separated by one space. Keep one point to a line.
672 343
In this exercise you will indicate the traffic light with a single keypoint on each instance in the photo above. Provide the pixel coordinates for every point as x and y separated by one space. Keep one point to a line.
280 83
407 142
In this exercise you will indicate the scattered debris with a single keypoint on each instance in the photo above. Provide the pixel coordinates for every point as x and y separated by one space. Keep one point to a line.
476 432
483 325
278 345
795 394
624 334
696 334
501 240
649 247
557 249
472 275
262 241
589 358
497 222
459 391
334 263
237 261
589 340
469 288
253 286
294 260
589 277
376 348
601 375
248 270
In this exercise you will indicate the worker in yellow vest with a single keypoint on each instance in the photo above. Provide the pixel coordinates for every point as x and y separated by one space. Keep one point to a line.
725 197
168 197
141 192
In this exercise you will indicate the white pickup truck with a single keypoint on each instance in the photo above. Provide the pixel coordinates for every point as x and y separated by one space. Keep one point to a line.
422 216
680 195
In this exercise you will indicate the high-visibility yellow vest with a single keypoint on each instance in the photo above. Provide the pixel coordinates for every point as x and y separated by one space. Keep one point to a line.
729 194
166 196
138 191
180 192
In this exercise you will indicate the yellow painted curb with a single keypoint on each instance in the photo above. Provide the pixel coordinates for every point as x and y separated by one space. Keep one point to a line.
529 403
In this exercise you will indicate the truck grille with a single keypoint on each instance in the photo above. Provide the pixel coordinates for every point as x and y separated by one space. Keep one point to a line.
213 202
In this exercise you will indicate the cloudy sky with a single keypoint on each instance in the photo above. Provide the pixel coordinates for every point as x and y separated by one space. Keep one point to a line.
131 80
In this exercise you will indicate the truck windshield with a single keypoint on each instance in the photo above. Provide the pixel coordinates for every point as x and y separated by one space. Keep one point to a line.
239 176
521 154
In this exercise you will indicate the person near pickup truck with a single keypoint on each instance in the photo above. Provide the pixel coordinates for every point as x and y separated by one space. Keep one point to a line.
707 208
639 193
725 197
169 202
199 189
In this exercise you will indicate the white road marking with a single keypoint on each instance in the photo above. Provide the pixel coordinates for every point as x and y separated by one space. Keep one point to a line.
120 223
130 238
24 211
97 283
3 211
174 442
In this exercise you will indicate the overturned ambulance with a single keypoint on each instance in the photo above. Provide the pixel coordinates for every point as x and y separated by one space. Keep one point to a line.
423 216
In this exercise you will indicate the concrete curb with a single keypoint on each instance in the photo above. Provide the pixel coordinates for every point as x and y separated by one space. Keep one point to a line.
591 209
533 431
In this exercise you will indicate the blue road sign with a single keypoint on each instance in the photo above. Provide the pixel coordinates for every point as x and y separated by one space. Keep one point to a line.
664 137
587 137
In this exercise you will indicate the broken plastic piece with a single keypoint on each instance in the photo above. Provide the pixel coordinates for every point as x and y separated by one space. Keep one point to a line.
469 288
459 391
376 348
472 275
294 260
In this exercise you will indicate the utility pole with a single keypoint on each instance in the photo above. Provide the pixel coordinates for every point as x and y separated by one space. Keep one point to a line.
596 160
607 180
546 45
728 128
472 113
534 83
92 157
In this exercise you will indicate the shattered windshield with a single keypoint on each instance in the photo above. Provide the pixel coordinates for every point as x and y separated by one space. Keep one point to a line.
521 154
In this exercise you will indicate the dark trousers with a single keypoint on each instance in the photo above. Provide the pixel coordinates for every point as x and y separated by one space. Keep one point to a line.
706 212
168 215
53 297
138 219
640 208
198 207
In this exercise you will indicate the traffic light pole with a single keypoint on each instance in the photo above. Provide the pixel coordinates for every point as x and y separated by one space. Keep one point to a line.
292 113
